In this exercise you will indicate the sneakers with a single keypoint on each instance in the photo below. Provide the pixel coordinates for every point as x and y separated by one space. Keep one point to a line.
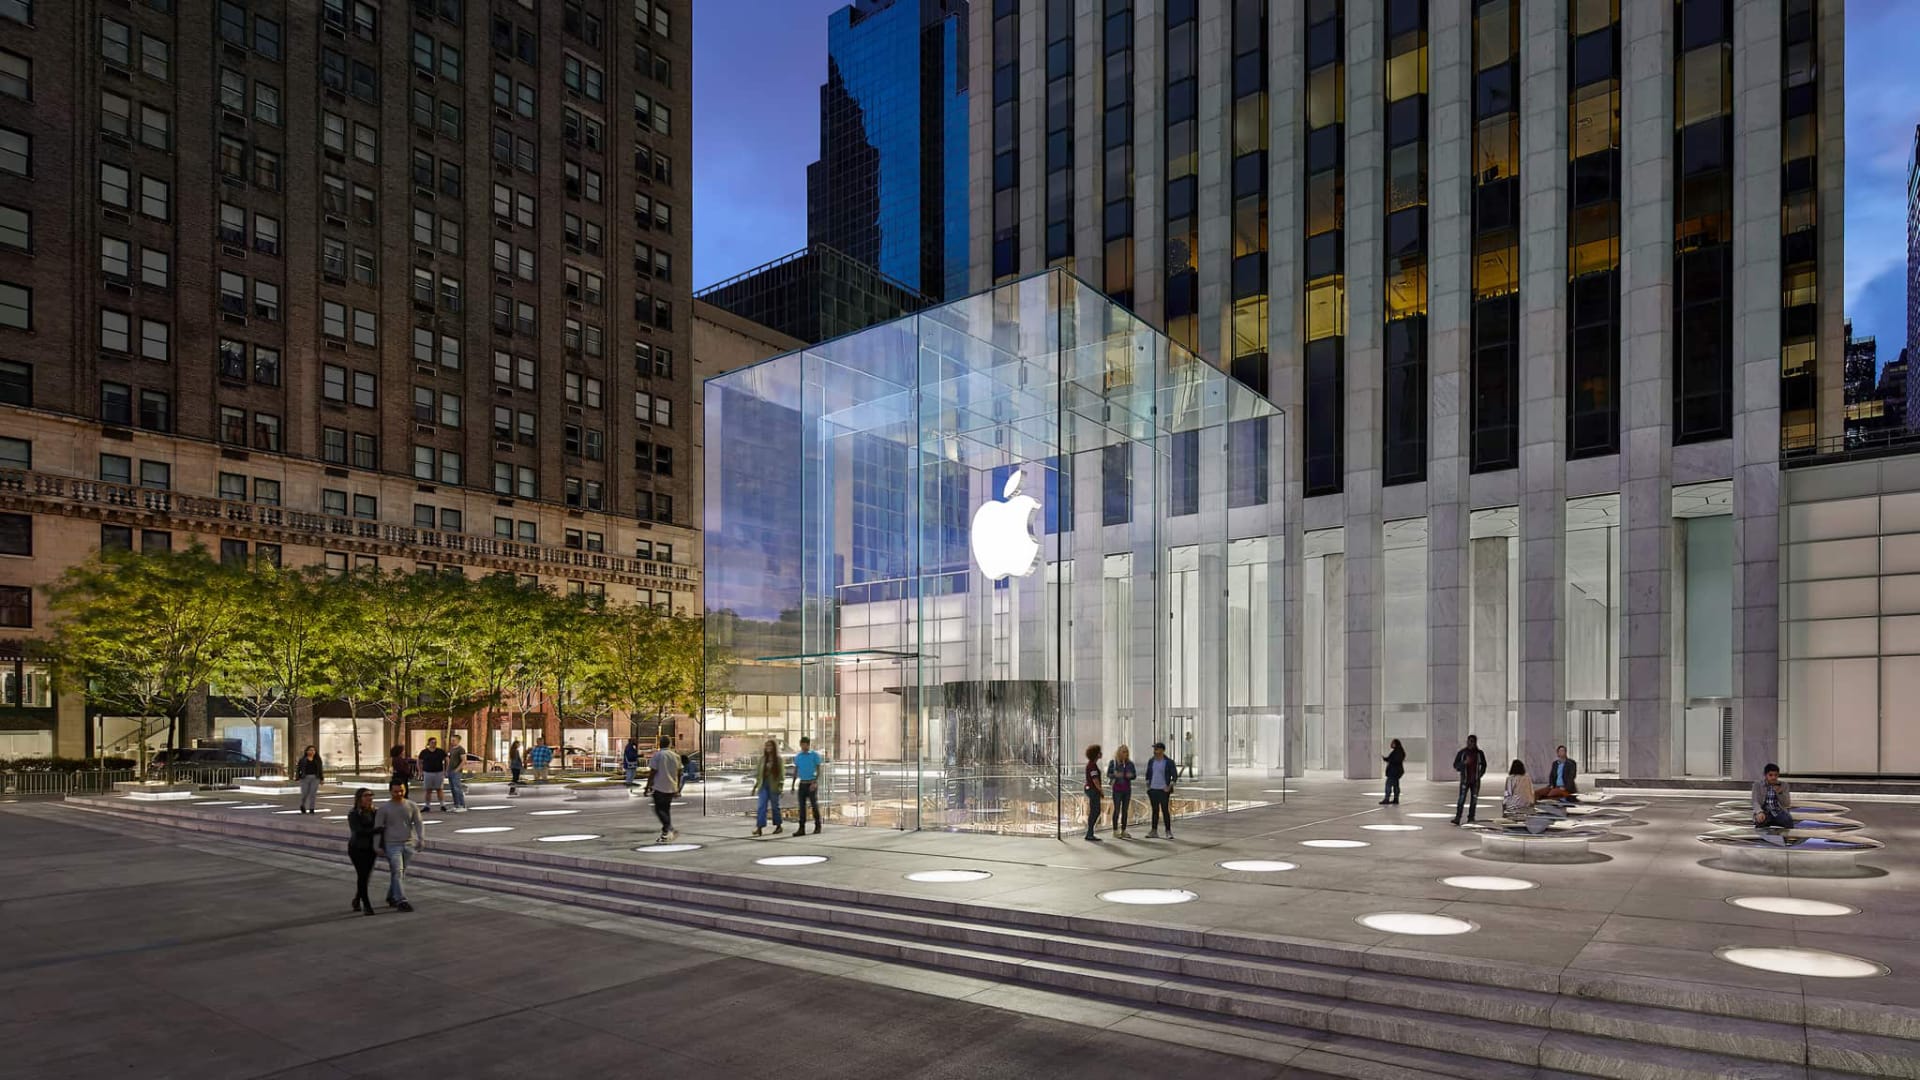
404 906
757 832
1455 821
1153 834
1095 839
778 829
672 835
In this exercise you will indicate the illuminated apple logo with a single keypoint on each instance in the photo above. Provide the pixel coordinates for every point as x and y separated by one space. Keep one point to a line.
1001 539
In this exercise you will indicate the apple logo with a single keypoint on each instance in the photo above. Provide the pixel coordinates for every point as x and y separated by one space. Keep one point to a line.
1001 539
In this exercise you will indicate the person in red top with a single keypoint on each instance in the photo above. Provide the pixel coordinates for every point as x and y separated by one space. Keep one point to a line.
1093 790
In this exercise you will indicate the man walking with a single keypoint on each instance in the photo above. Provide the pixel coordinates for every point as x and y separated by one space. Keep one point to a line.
663 783
433 774
1471 763
540 757
456 761
631 759
806 781
402 835
1161 775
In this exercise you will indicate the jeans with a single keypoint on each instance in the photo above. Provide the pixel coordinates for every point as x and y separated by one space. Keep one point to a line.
1392 794
1159 799
1469 797
397 856
663 809
309 791
769 797
810 793
459 789
1779 819
363 859
1122 809
1093 811
515 781
631 766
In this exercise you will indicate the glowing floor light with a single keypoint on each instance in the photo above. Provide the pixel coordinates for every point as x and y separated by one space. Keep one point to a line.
666 849
1334 843
568 838
1817 963
1790 905
1406 922
552 813
1392 828
948 877
485 829
1148 896
1489 884
1256 866
791 860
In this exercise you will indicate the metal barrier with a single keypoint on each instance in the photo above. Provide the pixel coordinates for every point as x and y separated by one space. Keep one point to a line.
49 782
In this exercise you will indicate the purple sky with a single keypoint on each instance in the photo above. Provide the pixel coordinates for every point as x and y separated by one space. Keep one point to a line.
758 65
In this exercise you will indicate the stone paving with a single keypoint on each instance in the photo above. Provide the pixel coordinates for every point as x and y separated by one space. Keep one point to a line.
1651 905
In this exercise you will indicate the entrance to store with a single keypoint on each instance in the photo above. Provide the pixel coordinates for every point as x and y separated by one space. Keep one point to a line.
1594 732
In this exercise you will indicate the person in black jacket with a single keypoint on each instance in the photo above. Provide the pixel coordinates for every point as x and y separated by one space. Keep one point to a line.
363 842
1396 760
309 773
1561 776
1471 763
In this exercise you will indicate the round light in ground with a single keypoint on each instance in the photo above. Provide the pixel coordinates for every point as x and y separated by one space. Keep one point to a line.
429 821
1256 866
486 808
1818 963
1489 884
1407 922
1279 791
257 806
666 849
1430 816
1148 896
486 829
947 877
1790 905
1334 843
219 802
334 817
289 811
1392 828
568 838
791 860
552 813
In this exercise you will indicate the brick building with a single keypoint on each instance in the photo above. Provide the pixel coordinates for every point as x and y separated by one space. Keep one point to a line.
346 283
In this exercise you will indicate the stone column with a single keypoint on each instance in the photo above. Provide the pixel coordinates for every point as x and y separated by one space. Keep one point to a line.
1365 196
1449 337
1334 663
1149 160
1285 217
1032 201
1756 383
1543 365
1214 132
1086 706
1830 36
1646 419
1089 111
980 145
1488 705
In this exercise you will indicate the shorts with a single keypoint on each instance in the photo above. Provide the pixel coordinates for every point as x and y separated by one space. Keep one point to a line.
435 780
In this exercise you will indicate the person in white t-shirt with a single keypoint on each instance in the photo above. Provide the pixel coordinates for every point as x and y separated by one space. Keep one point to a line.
663 783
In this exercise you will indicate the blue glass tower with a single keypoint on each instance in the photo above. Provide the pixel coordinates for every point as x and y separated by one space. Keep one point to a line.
890 188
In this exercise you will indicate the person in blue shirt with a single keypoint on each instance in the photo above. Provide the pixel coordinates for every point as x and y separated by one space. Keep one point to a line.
631 759
540 758
806 781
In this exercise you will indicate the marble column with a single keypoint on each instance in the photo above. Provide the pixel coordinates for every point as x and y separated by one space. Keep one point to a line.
1149 160
1334 662
1214 125
1285 215
1488 705
1365 191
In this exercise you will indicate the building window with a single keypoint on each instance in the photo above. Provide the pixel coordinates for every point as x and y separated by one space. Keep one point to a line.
16 606
1494 353
1593 319
16 534
157 475
16 383
16 306
1326 292
15 453
1703 222
116 403
333 446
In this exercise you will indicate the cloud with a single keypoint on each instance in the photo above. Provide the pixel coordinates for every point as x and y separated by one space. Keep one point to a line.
1880 311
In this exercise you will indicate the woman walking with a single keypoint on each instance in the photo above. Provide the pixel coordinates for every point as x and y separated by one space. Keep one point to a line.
514 764
1396 760
307 770
767 782
1093 791
397 766
1120 774
363 838
1518 801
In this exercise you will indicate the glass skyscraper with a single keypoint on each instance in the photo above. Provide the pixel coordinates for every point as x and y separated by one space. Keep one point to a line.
890 188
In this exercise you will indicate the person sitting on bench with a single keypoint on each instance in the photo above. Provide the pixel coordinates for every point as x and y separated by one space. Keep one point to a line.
1518 800
1771 798
1560 777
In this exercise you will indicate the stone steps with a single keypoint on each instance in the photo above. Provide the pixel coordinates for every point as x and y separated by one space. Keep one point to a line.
1405 1012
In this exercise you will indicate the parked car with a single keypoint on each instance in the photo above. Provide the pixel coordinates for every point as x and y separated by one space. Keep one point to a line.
204 765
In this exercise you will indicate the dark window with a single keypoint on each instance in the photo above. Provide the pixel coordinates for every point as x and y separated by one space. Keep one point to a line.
1116 484
1496 384
1404 401
16 383
16 606
1325 409
16 534
1183 474
1247 456
233 553
1593 366
116 538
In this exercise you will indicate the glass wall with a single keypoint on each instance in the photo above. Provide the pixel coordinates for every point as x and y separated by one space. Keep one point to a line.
1592 628
897 563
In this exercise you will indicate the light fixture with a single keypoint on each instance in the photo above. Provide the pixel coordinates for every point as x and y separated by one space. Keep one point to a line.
1407 922
791 860
552 813
665 849
1392 828
429 821
257 806
1278 791
486 808
1817 963
1148 896
1431 816
289 811
486 829
1483 883
948 877
1790 905
1256 866
568 838
1334 843
219 802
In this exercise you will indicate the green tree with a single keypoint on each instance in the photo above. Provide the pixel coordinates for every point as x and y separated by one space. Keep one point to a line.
498 628
139 634
350 666
275 660
409 625
651 665
561 657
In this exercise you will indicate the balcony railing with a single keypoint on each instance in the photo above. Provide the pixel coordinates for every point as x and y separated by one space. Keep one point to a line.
1852 446
319 529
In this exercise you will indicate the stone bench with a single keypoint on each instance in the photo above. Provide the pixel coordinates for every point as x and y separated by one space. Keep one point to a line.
1789 852
1798 808
1817 824
1513 841
153 792
601 791
266 785
551 789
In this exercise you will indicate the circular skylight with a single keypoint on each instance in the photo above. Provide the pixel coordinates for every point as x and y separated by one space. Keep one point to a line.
1431 816
1484 883
1256 866
1392 828
257 806
948 877
568 838
1790 905
1405 922
1334 843
666 849
553 813
1148 896
791 860
288 811
1817 963
485 829
219 802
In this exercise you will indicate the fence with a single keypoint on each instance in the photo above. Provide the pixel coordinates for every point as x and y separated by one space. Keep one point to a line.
35 782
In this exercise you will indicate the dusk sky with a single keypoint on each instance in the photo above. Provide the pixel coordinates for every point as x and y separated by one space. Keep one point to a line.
758 65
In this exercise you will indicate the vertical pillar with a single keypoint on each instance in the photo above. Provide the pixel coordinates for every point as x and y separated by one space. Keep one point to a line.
1032 76
1543 365
1086 707
1449 336
1149 159
1756 383
1089 112
1487 709
1365 186
1646 419
980 146
1285 210
1214 133
1830 37
1334 662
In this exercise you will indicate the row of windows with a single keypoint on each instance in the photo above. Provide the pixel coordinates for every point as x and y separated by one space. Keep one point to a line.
1799 235
264 368
1117 151
1326 302
1006 139
1182 174
117 47
1059 145
1247 440
1403 401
